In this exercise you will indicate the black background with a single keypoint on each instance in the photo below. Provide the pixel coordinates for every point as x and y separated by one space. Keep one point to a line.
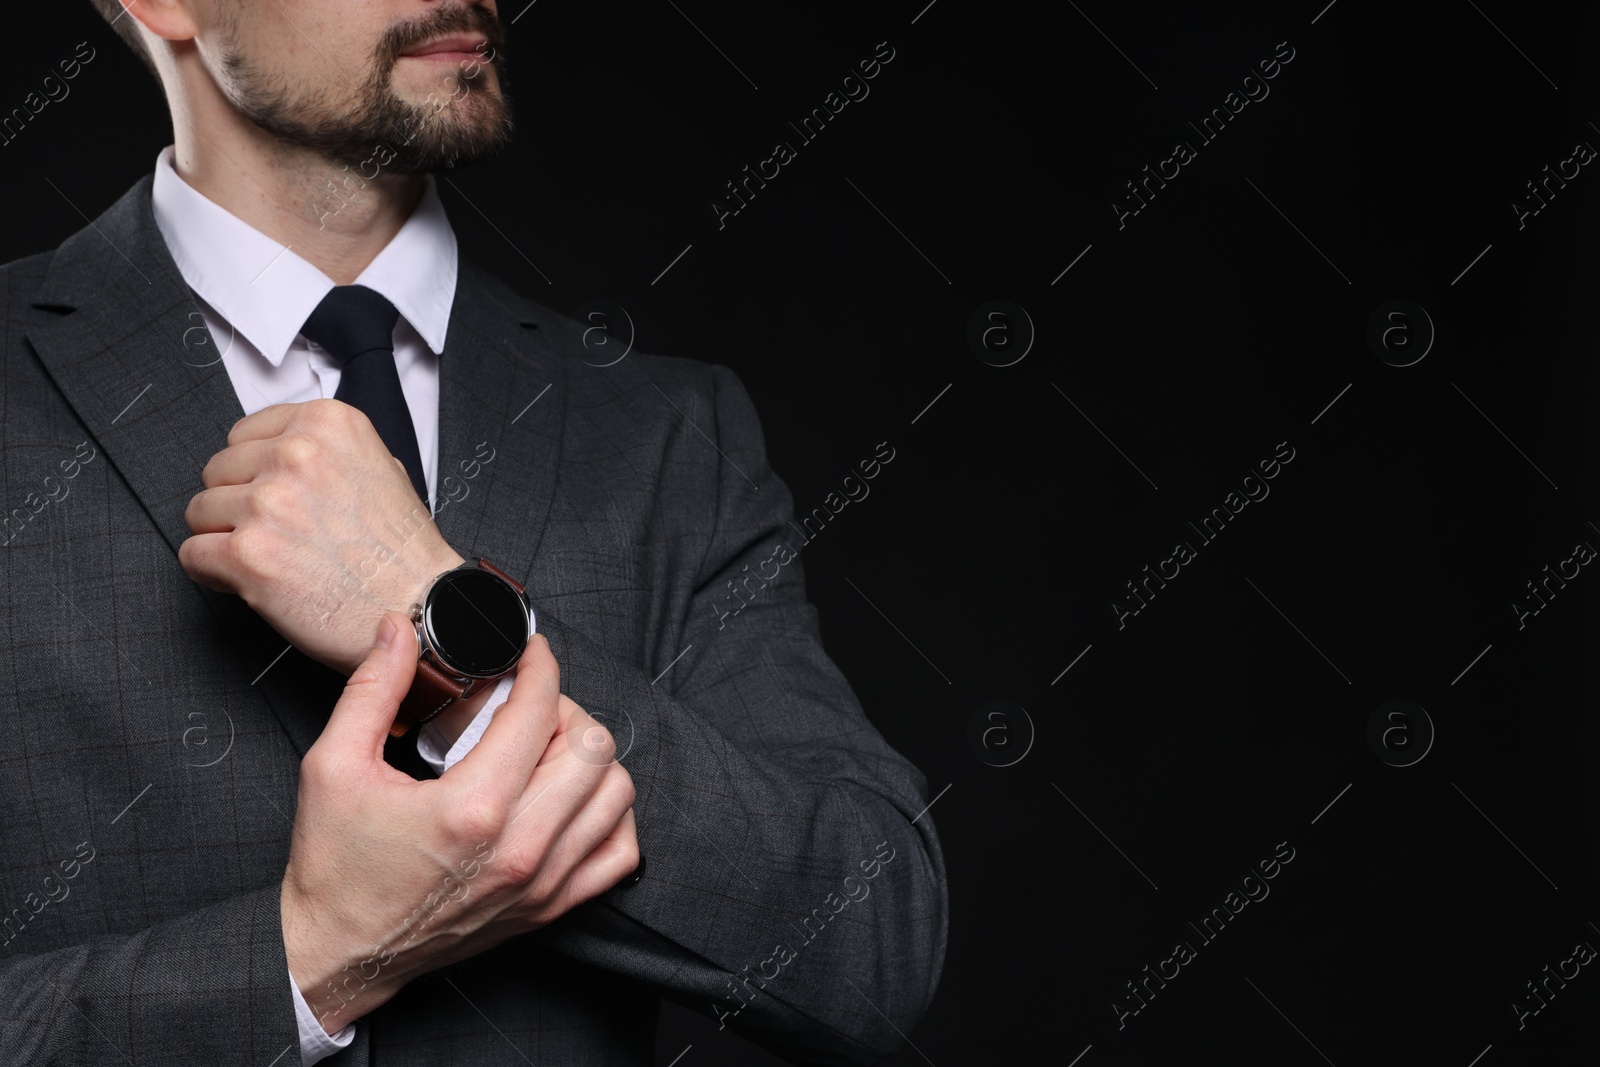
1222 319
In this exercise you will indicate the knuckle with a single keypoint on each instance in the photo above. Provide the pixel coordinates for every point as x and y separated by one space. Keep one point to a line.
342 418
543 893
617 787
296 452
518 864
628 854
317 768
599 746
269 498
547 722
244 549
367 675
476 819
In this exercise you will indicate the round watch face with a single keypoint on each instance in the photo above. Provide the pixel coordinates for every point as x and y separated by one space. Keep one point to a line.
476 623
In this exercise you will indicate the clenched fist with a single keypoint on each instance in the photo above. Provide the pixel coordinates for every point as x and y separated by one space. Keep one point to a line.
308 518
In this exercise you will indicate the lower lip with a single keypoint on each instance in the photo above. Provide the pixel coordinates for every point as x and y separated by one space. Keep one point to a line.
451 57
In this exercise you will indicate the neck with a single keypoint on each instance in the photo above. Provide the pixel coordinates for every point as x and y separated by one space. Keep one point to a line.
330 215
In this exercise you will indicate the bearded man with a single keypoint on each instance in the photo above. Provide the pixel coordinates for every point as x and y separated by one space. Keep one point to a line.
371 697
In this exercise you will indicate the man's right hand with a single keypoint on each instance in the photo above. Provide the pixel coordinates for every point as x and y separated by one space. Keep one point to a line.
389 877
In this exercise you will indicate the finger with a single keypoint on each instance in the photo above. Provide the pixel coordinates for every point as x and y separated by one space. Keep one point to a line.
270 421
242 463
611 861
556 793
218 510
589 827
364 713
502 761
580 735
201 558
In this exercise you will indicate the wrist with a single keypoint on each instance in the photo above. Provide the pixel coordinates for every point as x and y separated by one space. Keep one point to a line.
338 988
412 590
445 559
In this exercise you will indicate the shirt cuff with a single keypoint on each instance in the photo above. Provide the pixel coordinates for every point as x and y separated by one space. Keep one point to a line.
315 1043
430 744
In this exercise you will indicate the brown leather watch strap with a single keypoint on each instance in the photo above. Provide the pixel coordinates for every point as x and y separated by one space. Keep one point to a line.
492 569
431 692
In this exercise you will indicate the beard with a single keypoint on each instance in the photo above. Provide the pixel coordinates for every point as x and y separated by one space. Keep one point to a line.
474 123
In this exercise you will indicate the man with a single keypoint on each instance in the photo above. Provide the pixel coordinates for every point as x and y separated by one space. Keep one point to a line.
254 413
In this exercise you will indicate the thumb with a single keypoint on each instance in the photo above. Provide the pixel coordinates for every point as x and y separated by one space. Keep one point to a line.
364 713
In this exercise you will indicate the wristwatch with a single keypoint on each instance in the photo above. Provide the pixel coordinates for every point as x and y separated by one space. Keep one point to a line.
472 627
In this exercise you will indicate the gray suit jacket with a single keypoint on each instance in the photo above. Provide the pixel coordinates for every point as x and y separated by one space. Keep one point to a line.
149 767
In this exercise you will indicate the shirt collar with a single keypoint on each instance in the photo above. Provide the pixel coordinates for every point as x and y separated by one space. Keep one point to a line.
266 292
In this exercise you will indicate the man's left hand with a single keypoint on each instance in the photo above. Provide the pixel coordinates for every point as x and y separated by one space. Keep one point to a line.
308 518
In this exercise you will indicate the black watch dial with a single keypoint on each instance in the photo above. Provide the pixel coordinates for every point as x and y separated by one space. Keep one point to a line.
477 623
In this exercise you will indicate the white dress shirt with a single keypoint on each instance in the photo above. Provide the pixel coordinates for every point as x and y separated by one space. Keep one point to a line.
254 295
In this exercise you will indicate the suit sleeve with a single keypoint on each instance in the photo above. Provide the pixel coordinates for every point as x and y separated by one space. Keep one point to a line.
207 987
794 887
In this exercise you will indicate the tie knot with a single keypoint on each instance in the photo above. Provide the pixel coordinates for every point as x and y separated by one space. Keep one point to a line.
350 321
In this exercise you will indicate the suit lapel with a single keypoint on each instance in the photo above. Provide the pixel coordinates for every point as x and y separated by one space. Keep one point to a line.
501 395
132 357
134 360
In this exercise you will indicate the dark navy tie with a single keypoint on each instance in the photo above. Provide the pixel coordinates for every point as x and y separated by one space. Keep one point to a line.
355 325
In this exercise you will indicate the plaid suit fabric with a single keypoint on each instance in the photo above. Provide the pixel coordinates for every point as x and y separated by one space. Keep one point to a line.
154 720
